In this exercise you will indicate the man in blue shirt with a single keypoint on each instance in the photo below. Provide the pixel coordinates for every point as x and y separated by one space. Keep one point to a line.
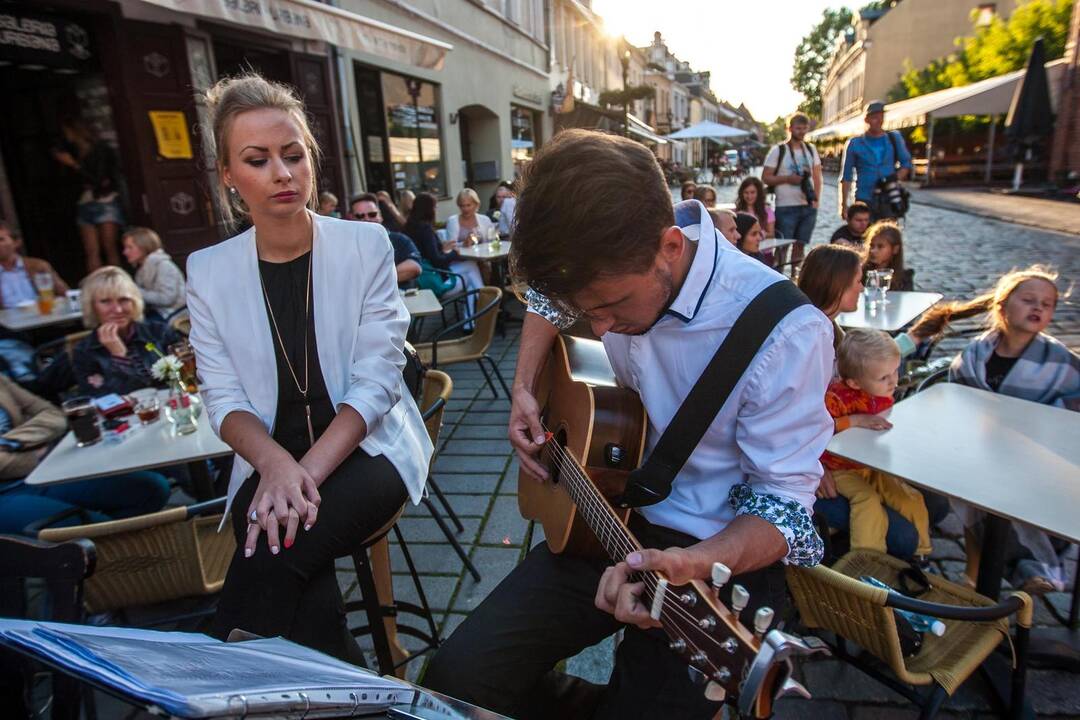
870 157
365 208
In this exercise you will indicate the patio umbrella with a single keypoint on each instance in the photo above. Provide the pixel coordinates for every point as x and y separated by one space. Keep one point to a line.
1030 118
708 129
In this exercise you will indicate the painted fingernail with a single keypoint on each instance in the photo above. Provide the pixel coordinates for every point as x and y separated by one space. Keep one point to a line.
248 552
288 543
274 549
633 559
307 527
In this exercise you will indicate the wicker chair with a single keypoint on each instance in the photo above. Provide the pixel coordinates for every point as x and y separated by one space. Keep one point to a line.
180 321
474 346
833 599
153 558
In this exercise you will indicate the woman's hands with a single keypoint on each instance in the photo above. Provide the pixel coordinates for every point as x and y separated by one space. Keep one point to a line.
109 336
449 245
287 496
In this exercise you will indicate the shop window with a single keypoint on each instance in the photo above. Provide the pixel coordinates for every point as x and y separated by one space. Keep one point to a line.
524 136
414 141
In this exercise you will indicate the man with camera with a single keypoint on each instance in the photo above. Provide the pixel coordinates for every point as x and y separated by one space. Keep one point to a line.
879 161
792 170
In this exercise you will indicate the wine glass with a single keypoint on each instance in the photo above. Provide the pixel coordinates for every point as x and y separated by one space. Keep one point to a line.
871 287
885 278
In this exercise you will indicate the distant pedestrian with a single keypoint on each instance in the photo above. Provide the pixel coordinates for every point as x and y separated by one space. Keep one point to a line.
793 170
851 233
328 203
688 189
751 199
706 195
877 162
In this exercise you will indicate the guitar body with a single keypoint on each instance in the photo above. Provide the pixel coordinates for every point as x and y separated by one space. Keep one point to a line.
601 425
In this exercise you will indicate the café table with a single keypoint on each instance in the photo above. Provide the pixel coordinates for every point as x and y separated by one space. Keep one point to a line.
421 303
144 447
1016 459
20 319
484 252
902 308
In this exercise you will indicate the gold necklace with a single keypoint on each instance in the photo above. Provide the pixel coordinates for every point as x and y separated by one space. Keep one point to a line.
307 327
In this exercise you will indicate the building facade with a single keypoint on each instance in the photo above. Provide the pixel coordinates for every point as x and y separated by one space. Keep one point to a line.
1065 149
872 54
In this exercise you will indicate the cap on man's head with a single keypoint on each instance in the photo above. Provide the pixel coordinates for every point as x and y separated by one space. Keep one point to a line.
875 106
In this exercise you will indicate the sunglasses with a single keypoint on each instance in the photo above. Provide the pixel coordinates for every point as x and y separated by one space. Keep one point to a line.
368 216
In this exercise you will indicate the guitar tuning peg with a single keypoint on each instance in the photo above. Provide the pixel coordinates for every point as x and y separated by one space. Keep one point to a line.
740 598
721 573
763 619
715 692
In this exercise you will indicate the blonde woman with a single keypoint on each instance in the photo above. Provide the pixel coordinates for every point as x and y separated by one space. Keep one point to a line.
468 222
298 330
159 279
114 358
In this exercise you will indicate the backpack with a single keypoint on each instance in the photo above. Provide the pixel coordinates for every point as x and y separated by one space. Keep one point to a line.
771 189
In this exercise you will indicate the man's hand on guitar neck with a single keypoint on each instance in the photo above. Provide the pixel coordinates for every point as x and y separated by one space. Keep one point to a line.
617 595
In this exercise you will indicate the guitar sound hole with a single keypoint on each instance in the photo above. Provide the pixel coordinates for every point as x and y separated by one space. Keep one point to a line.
553 467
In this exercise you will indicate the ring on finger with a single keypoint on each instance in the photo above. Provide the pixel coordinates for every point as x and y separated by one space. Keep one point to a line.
254 516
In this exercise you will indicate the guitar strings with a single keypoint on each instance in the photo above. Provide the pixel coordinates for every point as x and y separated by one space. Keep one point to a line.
648 578
570 466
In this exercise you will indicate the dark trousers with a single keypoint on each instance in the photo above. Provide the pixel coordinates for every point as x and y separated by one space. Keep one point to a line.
502 656
295 594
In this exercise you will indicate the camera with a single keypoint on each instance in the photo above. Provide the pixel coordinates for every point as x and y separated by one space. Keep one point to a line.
807 187
890 197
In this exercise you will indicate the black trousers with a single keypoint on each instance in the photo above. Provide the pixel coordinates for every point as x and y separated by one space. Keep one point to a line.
295 593
502 656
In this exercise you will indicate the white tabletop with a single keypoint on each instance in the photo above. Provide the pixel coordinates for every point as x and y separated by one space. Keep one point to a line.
901 309
484 251
421 303
143 448
773 243
29 318
1015 458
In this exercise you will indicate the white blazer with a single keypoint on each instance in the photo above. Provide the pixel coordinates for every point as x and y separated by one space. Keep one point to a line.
360 324
483 225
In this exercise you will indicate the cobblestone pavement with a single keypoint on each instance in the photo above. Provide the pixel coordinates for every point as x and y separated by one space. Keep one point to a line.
953 253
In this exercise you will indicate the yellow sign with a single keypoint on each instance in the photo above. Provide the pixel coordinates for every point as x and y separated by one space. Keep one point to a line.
171 131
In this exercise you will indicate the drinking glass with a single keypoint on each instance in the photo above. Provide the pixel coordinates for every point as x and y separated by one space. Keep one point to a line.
885 278
84 420
43 281
871 288
148 409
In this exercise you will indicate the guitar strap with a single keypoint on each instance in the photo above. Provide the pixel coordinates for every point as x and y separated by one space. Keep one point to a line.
651 483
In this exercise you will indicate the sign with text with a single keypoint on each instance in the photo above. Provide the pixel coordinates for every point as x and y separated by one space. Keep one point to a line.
38 41
171 131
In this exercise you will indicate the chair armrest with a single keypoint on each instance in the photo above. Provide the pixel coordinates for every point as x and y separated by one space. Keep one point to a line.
435 407
210 507
1015 603
67 561
37 526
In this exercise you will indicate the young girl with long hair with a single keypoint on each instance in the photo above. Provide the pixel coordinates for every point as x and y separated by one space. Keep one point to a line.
751 199
1015 357
885 251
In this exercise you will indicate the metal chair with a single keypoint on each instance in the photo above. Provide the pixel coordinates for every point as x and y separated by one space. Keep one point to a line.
472 347
834 599
179 320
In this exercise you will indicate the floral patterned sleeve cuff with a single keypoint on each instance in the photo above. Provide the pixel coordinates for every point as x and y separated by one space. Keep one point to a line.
788 516
542 306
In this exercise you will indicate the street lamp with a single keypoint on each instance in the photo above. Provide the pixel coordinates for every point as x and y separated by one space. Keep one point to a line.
625 60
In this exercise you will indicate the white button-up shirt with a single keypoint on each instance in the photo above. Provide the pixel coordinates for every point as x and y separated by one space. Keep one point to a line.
761 454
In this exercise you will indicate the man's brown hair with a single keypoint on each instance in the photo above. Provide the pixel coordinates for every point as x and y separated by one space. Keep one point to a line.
589 205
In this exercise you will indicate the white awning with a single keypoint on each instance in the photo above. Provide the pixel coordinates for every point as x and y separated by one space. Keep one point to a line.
315 21
639 128
708 129
986 97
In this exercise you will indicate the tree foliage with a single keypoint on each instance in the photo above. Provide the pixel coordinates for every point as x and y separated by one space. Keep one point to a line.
776 131
812 58
997 48
617 98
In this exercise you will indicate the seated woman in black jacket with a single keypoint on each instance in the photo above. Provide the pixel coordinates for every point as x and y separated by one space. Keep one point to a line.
115 358
441 254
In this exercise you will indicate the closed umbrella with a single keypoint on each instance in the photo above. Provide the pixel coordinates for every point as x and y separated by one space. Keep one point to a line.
1030 119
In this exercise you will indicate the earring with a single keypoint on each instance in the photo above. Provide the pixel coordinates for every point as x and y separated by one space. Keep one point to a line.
232 189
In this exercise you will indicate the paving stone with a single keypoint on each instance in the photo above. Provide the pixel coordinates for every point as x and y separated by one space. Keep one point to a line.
425 530
494 564
802 709
947 549
836 680
504 525
1053 692
500 418
594 663
430 559
480 432
469 446
499 404
476 484
438 589
450 623
470 464
463 505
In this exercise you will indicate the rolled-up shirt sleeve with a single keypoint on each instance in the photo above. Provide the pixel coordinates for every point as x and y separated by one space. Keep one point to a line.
782 430
375 374
540 305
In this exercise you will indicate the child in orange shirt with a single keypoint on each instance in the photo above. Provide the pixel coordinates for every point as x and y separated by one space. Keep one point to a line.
867 361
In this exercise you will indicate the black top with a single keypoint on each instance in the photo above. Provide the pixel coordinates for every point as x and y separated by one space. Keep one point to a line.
404 249
286 290
844 234
423 234
997 368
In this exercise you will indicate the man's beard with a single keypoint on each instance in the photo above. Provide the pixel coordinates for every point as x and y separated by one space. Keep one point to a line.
667 290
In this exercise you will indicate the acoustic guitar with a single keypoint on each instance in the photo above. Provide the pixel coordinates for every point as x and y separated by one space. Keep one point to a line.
596 436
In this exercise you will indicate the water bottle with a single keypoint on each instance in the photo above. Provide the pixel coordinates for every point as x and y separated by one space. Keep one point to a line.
919 622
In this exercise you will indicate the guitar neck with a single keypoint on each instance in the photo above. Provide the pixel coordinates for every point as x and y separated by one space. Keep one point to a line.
597 513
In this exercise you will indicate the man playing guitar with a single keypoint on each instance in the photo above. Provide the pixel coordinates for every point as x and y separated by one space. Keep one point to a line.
597 235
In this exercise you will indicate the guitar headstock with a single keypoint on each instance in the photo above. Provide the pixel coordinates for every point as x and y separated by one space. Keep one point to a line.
735 663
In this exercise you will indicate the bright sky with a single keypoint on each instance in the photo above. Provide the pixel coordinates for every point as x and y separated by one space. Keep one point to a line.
749 46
